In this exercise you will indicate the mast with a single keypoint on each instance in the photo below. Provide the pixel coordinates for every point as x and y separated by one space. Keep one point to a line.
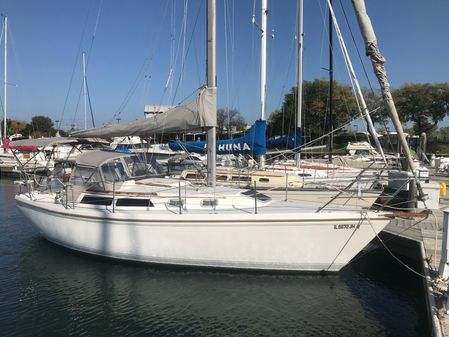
298 132
5 79
356 85
331 86
263 69
378 62
85 91
211 83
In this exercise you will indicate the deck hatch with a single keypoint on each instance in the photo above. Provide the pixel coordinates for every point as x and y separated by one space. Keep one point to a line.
96 200
134 202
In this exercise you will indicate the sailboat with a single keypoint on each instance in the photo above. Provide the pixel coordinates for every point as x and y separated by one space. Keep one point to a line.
22 160
110 207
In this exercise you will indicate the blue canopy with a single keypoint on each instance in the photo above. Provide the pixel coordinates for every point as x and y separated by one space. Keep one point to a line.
253 143
292 141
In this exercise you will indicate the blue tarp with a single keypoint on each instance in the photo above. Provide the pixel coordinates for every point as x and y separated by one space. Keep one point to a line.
253 143
291 141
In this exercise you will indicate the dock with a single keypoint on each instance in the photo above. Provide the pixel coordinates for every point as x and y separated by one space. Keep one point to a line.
421 238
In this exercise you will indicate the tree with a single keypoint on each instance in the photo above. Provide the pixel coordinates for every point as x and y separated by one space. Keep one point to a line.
315 109
227 120
16 126
376 106
423 104
40 126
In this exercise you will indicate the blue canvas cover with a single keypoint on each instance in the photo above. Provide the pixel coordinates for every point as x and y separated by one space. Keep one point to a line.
253 143
291 142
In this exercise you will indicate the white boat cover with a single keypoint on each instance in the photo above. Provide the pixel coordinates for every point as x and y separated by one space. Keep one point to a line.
195 116
98 157
40 143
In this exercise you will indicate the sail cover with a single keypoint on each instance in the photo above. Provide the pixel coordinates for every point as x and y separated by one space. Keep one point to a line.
253 143
195 116
292 142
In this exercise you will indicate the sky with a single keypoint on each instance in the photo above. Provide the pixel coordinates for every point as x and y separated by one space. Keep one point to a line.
153 52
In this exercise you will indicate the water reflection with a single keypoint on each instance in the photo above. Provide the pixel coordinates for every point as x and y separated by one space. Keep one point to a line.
79 294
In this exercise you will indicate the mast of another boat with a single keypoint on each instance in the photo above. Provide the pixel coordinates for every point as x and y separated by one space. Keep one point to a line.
85 91
211 83
298 132
330 142
378 62
263 70
5 74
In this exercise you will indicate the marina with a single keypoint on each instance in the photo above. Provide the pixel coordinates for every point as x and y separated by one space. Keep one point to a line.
192 220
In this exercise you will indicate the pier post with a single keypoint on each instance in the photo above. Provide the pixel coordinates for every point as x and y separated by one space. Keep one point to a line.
443 269
412 194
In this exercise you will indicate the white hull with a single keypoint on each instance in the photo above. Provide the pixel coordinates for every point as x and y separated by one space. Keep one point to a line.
233 239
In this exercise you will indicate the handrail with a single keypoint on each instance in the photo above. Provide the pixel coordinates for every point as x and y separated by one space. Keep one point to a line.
345 189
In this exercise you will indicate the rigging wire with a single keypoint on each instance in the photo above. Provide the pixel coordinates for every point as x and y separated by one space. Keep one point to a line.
232 32
353 85
363 66
189 45
182 34
90 104
172 49
77 104
391 253
74 69
1 99
184 27
145 65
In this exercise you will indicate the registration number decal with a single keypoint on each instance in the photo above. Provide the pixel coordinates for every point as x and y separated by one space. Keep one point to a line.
347 226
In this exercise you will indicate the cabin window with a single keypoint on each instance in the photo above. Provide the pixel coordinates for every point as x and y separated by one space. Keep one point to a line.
362 152
175 203
222 178
134 202
113 171
209 203
241 178
96 200
85 176
304 175
136 167
264 180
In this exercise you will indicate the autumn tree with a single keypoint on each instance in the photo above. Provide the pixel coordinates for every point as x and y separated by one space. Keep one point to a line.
228 120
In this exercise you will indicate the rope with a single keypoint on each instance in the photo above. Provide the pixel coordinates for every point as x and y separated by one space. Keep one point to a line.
350 237
391 253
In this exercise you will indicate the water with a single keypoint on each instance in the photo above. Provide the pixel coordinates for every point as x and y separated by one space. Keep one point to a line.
46 290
